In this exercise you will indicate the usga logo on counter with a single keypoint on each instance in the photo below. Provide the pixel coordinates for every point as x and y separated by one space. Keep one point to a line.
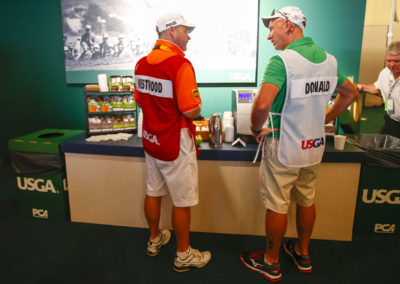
380 196
38 184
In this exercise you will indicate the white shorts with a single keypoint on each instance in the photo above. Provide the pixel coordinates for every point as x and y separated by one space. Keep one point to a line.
279 184
178 177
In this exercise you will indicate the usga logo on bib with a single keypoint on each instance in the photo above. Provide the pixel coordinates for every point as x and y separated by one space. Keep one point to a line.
39 184
312 143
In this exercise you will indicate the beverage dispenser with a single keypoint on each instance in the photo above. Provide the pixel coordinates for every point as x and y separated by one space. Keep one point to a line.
242 101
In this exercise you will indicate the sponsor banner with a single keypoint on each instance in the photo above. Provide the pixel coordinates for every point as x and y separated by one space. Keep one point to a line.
378 201
43 196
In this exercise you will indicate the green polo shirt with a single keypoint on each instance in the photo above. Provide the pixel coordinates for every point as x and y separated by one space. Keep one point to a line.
275 72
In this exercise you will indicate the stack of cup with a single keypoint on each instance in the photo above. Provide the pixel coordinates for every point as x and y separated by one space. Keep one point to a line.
228 126
102 81
227 114
140 124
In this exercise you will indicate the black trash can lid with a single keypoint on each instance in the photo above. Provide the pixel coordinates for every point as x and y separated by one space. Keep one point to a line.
50 135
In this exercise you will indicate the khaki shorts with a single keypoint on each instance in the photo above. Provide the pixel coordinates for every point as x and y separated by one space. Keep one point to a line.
178 177
279 184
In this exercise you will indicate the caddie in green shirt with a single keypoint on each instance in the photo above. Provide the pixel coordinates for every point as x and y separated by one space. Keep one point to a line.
275 73
296 88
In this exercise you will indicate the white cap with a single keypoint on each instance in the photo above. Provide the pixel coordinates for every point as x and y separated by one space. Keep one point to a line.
173 20
291 13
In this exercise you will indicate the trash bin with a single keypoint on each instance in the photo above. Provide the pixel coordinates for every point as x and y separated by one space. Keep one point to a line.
378 200
40 174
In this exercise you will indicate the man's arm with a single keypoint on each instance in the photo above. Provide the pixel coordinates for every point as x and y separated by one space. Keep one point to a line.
261 105
369 88
188 96
137 97
193 113
346 94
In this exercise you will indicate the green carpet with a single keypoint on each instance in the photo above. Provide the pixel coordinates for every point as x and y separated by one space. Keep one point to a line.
36 251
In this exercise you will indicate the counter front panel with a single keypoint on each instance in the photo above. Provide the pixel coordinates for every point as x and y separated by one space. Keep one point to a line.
106 184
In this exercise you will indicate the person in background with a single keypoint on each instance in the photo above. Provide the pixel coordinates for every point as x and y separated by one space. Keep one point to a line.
167 92
123 49
114 50
296 88
75 54
66 52
96 52
87 37
105 47
86 53
136 46
70 47
388 86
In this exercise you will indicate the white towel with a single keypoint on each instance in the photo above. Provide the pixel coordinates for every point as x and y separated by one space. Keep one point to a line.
110 137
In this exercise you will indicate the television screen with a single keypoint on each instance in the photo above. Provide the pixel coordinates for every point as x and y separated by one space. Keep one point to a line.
109 36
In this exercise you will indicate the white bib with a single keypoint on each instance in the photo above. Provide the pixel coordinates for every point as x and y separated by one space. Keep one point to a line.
309 88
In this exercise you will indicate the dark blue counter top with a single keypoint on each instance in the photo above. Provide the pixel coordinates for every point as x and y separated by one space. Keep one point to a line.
133 148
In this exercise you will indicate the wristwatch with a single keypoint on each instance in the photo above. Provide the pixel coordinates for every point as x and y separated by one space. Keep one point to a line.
255 131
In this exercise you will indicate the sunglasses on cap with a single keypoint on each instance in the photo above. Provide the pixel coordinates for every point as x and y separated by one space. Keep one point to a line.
274 12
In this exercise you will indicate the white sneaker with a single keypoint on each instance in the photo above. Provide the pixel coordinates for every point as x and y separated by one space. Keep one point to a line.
154 248
195 258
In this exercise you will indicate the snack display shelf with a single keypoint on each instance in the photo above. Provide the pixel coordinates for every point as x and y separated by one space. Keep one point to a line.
107 93
110 112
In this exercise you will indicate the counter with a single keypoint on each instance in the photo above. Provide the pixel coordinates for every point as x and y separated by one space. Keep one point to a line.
106 183
133 148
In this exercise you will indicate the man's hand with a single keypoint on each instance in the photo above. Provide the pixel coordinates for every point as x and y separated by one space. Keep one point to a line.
264 131
369 88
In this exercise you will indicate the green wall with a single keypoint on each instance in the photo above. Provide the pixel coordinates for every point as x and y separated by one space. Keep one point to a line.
34 93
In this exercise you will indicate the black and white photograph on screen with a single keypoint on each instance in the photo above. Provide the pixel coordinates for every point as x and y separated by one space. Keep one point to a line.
112 35
97 36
